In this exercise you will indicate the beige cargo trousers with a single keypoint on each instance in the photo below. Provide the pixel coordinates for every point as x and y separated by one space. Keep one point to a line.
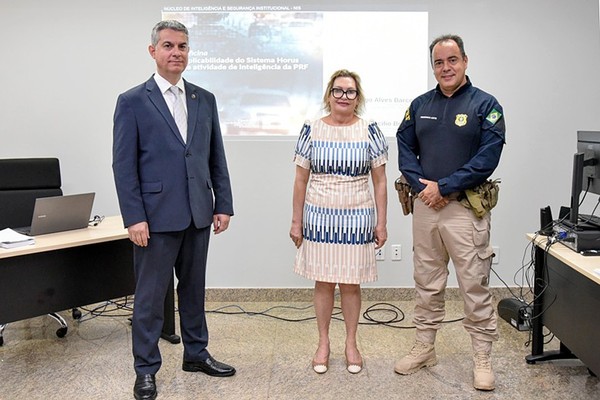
453 233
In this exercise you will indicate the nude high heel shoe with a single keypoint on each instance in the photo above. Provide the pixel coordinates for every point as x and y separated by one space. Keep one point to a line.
321 367
354 368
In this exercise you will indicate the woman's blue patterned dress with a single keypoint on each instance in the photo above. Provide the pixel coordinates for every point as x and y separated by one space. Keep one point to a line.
339 210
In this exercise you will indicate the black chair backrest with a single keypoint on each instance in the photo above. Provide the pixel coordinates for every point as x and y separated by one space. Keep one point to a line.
22 180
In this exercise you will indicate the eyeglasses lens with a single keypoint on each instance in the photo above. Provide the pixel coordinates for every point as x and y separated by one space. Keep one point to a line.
339 93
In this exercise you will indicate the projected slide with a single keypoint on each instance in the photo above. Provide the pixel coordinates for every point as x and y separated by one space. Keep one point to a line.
268 66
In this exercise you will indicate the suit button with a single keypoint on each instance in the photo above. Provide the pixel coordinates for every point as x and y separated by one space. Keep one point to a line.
188 154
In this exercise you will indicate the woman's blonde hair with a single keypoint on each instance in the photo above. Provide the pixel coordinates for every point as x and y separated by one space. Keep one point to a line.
344 73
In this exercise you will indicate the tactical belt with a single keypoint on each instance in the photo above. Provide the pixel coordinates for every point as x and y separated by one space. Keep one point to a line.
481 199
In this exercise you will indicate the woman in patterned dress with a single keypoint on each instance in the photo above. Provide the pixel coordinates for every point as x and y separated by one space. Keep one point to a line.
337 223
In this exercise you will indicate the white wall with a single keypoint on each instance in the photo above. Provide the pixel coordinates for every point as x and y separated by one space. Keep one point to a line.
64 63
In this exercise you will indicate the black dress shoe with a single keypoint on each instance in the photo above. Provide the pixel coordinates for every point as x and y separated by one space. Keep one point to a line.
145 387
210 366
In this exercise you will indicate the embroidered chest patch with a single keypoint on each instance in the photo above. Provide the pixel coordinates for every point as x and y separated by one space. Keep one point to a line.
461 120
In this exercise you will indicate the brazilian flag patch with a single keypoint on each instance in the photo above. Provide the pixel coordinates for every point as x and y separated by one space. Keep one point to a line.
494 116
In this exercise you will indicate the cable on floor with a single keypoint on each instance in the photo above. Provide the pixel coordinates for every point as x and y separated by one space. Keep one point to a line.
394 314
385 314
118 308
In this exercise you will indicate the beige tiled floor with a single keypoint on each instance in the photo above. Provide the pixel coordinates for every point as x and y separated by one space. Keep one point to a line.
272 358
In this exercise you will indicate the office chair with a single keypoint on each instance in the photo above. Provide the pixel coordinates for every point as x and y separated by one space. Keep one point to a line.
22 180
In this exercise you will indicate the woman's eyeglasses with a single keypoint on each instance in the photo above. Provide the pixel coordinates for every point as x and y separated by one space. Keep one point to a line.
339 93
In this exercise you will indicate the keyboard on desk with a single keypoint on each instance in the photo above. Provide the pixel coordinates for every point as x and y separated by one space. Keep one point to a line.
590 219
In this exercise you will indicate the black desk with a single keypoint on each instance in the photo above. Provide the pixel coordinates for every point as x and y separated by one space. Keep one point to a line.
567 296
71 269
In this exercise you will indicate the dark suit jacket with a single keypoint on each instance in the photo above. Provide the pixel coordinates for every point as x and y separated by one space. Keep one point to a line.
159 178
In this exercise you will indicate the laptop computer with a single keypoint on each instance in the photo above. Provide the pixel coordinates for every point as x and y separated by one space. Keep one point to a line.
59 213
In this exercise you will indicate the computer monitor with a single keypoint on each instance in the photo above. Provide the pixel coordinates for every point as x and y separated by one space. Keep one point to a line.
576 187
586 174
588 143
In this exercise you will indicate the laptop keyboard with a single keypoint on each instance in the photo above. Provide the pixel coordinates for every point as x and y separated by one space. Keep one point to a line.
25 230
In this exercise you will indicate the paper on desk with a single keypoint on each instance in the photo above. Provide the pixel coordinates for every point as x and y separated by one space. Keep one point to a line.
10 239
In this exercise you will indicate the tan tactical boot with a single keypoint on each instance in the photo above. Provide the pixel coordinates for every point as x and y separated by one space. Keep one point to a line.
483 376
422 355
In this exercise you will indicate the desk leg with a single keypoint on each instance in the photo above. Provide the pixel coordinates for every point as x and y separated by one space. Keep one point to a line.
537 326
561 354
168 332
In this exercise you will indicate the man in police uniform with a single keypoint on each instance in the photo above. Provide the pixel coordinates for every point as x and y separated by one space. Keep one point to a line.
450 141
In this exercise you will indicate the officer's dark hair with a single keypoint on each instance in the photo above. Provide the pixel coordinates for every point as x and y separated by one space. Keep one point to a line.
445 38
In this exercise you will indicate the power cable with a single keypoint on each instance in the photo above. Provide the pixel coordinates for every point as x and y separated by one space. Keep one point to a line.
395 314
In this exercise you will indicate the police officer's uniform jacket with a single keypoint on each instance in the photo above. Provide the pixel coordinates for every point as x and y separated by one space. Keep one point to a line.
455 141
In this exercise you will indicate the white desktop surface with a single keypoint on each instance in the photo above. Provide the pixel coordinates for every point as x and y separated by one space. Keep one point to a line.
111 228
583 264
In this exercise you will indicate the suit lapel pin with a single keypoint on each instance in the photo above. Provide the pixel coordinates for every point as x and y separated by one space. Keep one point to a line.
194 96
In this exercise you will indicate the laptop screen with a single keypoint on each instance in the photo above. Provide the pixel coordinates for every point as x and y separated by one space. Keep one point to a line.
61 213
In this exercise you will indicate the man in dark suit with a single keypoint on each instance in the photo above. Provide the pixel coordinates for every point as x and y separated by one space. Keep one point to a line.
173 184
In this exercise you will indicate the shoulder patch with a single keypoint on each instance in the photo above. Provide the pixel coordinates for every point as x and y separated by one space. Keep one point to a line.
493 116
407 115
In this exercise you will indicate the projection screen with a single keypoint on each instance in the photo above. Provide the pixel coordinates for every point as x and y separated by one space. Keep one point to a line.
268 65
